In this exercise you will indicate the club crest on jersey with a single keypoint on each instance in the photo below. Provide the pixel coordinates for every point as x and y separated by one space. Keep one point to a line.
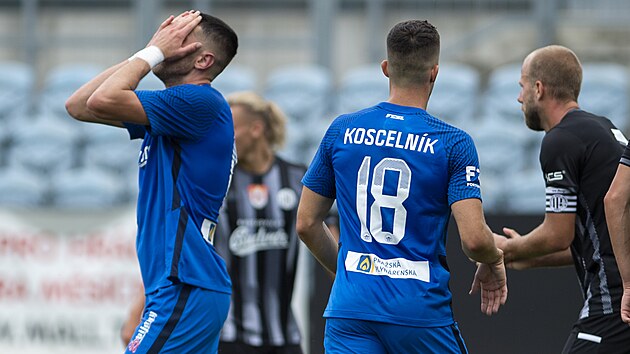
258 195
365 263
287 199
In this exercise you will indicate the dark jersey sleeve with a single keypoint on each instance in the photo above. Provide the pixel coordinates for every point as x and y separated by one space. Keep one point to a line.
625 158
561 155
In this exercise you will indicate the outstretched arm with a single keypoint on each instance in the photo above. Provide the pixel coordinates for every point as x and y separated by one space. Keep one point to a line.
557 259
555 234
478 245
312 211
617 204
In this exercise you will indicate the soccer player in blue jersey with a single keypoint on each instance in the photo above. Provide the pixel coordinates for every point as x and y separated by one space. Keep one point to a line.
185 163
397 173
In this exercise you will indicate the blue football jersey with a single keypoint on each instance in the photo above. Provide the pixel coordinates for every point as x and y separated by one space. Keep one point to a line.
394 171
186 164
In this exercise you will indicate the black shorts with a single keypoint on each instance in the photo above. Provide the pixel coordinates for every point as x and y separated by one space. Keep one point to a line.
241 348
599 335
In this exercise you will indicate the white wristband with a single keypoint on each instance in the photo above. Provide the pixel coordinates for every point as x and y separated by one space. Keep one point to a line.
152 55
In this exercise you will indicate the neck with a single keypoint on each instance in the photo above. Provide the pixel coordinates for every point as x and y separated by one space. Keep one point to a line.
258 160
409 96
557 111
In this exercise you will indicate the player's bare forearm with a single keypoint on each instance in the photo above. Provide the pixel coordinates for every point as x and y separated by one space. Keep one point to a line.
114 100
555 234
476 237
557 259
76 104
325 249
312 211
617 208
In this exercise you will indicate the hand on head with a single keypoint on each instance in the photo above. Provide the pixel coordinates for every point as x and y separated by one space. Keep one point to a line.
172 33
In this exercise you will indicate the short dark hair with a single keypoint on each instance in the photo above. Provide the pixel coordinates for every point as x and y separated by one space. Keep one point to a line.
413 48
223 37
559 69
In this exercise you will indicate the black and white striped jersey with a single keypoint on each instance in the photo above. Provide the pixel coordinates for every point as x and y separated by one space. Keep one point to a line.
579 158
257 239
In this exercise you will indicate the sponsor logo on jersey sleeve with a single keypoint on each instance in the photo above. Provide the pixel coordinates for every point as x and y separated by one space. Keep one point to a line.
472 176
396 268
554 176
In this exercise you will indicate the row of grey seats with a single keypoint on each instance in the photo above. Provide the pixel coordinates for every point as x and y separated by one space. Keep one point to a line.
46 143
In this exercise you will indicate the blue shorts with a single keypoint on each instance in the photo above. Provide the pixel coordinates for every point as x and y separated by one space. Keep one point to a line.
346 336
180 319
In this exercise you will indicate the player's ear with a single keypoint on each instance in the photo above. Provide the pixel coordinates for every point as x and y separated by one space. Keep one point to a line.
257 128
204 60
539 89
384 68
434 72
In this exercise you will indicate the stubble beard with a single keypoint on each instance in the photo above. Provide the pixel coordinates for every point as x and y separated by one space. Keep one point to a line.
532 118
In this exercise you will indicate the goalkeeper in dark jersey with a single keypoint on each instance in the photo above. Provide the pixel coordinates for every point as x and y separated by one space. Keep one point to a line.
579 157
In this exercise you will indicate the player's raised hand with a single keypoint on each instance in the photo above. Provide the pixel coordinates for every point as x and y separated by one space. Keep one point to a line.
491 281
172 34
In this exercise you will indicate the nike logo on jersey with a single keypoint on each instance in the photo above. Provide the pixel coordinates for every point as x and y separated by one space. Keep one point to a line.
390 138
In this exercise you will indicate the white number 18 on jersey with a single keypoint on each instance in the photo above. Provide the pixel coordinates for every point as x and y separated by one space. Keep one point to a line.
395 202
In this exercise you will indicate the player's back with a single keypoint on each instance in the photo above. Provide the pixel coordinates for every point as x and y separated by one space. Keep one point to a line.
397 169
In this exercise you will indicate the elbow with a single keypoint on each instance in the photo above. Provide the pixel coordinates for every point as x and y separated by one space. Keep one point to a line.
305 226
75 109
99 105
615 200
302 227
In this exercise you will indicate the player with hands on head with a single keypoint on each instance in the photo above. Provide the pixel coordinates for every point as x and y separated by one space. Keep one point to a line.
579 155
185 167
397 173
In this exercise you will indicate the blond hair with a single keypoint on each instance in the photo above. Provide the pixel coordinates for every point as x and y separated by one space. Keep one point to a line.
269 112
559 69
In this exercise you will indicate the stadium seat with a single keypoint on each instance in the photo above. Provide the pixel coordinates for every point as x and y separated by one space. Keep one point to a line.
362 87
500 100
109 148
86 188
44 145
302 91
605 92
20 187
455 95
501 147
235 78
16 85
60 83
492 192
525 192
